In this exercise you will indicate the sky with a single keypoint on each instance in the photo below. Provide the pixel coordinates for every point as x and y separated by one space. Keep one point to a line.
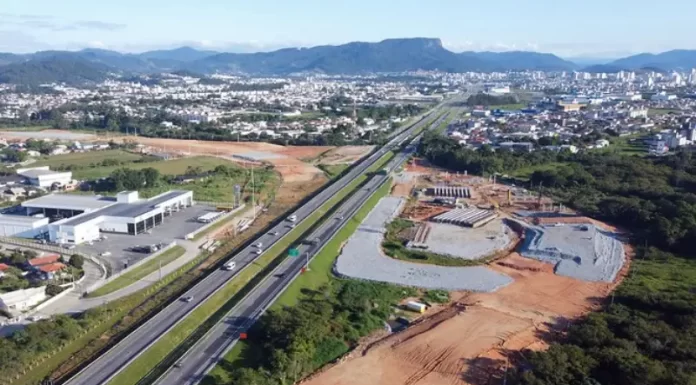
588 28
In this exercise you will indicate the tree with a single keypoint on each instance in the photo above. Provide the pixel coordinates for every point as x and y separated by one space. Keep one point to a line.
53 289
77 261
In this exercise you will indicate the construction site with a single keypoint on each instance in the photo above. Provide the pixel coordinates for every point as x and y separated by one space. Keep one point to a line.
546 266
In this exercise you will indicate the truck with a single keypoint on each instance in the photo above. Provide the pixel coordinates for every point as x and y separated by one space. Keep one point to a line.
292 218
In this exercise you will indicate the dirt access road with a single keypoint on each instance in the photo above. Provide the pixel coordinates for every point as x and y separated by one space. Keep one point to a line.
471 341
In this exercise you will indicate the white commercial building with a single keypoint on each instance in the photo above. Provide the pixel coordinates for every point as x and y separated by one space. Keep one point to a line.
44 177
82 218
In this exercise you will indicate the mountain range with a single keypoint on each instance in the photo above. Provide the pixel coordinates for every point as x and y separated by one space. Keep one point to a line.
392 55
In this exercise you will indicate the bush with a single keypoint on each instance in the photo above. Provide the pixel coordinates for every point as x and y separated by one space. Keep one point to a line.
53 289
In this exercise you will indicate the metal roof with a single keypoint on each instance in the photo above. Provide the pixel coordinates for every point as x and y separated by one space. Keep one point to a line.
126 210
19 219
39 172
70 202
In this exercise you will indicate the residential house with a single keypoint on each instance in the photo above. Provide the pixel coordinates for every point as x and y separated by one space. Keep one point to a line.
3 269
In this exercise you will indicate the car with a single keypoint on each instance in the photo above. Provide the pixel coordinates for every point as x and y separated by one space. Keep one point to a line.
259 251
105 254
340 217
259 245
273 233
177 365
188 298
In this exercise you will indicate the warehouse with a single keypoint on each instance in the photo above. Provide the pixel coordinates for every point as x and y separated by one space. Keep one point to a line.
126 215
22 226
44 177
470 217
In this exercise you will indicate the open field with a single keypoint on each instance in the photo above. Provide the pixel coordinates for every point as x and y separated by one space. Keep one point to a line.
168 167
285 159
86 159
139 272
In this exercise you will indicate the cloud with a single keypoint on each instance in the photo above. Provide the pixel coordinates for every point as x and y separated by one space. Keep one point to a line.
50 23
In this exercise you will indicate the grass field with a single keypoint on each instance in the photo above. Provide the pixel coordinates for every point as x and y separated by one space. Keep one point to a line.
168 167
517 106
333 170
178 335
662 111
85 159
139 272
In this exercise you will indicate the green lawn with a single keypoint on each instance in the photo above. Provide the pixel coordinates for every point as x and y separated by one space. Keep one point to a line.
219 303
662 111
517 106
333 170
85 159
168 167
139 272
318 275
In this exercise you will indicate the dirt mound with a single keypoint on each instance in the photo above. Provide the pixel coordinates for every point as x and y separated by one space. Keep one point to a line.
517 262
345 154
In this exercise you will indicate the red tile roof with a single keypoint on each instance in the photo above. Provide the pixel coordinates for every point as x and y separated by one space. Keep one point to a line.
53 267
3 267
48 259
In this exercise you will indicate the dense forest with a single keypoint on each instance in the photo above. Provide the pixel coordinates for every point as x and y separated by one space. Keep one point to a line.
647 333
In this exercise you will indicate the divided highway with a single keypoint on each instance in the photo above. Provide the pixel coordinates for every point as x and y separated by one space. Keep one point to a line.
202 357
110 363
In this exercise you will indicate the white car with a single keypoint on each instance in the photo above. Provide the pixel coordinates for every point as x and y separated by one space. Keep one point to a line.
105 254
188 298
259 252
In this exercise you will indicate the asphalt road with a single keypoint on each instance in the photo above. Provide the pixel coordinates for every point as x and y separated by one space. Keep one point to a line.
110 363
208 351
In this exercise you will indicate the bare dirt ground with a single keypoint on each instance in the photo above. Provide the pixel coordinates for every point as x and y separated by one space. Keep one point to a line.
345 154
285 159
472 340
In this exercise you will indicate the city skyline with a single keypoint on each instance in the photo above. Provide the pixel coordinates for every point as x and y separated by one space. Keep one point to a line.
592 31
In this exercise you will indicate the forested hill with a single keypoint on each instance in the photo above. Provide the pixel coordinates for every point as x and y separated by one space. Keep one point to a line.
646 335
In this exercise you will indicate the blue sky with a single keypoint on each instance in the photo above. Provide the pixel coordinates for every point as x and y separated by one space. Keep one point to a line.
600 28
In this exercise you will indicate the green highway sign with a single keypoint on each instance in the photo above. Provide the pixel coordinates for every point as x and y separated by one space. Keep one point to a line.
294 252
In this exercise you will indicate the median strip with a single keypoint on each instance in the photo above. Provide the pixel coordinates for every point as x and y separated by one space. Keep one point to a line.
149 359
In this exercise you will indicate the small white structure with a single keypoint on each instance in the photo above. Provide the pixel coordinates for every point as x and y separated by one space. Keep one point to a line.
22 300
22 226
44 177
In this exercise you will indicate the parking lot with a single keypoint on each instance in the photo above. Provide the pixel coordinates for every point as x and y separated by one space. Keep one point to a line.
173 228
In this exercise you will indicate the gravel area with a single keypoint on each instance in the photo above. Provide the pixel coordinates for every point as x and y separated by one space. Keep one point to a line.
579 251
405 177
467 243
362 258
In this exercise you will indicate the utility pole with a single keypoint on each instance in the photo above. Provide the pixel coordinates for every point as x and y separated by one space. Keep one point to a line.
253 198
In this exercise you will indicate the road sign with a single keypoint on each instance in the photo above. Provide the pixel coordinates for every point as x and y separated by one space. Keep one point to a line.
294 252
